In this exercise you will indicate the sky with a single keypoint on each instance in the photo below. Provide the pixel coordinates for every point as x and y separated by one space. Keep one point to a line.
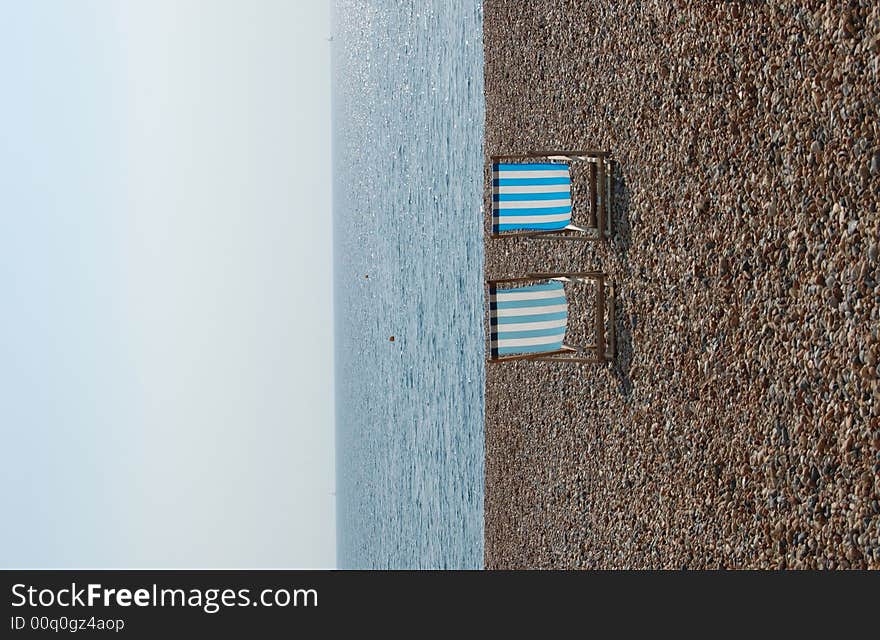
166 369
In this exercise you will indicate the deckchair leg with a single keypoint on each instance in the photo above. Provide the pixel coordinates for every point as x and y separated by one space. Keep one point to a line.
609 196
593 195
600 222
612 325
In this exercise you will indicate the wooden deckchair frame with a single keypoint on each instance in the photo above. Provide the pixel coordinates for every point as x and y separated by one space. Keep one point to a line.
605 347
601 168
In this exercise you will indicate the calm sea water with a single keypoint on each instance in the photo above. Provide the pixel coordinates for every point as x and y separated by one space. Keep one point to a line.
408 131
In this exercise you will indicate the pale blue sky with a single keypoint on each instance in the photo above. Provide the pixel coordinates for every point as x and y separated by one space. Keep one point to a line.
165 272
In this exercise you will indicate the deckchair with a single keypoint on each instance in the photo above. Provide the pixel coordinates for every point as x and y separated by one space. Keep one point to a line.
531 195
528 318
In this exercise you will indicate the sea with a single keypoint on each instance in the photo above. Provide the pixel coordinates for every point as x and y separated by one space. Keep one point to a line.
408 113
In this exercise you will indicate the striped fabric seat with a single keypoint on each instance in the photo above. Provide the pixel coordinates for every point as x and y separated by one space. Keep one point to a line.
528 319
532 196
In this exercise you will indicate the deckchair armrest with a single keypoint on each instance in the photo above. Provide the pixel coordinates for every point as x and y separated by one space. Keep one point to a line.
546 153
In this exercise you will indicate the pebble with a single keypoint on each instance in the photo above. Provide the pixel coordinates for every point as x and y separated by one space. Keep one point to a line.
739 426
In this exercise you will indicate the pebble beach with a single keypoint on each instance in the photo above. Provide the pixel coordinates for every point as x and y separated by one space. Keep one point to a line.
739 426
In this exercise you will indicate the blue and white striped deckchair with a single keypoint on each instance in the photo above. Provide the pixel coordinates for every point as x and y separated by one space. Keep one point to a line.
528 319
531 195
